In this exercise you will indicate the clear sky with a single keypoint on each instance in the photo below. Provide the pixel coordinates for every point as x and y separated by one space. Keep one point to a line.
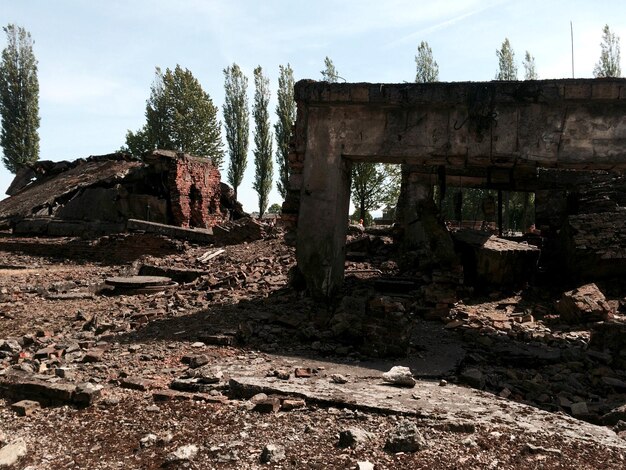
97 58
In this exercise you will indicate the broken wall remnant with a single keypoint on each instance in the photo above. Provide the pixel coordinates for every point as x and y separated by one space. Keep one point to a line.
101 193
584 214
194 188
499 133
491 261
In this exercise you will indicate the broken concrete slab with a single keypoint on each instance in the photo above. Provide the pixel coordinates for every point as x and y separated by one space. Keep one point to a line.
47 394
428 401
195 235
174 273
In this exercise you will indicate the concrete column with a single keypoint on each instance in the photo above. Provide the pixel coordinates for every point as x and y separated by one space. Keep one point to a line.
417 189
324 205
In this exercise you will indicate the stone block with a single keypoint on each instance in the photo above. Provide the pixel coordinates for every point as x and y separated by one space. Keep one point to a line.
86 394
137 383
289 404
269 405
93 355
353 438
12 452
584 304
25 407
405 438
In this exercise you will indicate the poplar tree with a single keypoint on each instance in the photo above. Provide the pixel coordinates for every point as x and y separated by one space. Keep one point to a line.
180 116
329 74
286 116
262 139
426 66
236 122
609 63
529 67
19 100
507 70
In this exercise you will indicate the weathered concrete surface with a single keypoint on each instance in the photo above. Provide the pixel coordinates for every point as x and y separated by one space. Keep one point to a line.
429 400
323 218
566 123
492 126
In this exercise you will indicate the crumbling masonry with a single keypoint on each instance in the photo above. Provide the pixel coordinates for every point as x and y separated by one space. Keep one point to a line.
100 194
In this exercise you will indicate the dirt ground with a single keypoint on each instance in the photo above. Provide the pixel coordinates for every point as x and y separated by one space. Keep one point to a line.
234 332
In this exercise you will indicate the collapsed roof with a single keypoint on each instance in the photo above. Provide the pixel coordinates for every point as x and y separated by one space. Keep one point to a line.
107 190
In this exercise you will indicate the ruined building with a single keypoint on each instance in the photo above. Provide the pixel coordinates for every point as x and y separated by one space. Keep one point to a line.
99 194
563 140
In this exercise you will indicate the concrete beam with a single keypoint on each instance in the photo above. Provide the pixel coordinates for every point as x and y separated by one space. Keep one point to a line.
548 123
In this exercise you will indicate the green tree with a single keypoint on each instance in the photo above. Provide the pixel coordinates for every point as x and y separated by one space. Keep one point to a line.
507 70
329 73
609 63
530 72
427 68
275 208
180 116
19 100
286 116
392 190
369 191
237 123
262 139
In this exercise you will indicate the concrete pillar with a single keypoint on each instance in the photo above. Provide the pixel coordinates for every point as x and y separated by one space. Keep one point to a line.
324 205
416 190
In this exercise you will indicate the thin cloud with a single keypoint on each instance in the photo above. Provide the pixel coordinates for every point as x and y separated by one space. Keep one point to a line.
417 35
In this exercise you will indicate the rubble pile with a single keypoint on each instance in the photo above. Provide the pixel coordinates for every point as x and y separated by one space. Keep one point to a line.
525 351
231 342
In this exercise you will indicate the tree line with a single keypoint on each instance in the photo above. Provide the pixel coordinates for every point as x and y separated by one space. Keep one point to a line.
181 116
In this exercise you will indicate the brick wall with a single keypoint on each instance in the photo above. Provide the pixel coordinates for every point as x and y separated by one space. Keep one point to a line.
194 185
